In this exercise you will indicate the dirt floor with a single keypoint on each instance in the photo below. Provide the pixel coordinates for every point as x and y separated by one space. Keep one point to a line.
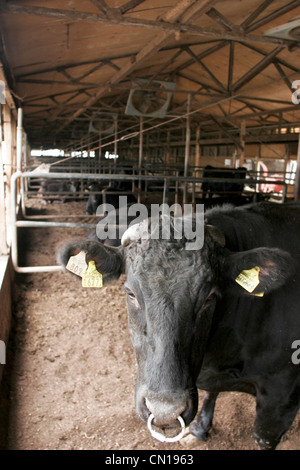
71 367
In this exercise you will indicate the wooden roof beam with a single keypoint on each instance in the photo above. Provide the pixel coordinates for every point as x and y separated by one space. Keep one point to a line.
166 25
164 66
258 68
223 21
205 53
106 61
205 68
272 16
130 5
277 59
216 92
110 13
256 13
283 75
267 112
153 46
230 67
43 81
270 100
116 12
237 142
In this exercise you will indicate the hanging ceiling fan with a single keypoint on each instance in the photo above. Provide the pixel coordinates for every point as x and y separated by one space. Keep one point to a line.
153 102
290 30
102 122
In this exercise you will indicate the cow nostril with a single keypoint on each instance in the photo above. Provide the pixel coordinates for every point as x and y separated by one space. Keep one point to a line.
165 413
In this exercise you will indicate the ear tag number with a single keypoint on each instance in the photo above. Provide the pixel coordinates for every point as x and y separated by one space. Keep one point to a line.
249 279
92 278
77 264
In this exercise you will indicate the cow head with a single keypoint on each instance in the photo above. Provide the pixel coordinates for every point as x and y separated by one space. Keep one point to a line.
171 298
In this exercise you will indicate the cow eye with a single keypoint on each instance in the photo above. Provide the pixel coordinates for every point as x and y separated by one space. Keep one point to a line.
129 292
131 295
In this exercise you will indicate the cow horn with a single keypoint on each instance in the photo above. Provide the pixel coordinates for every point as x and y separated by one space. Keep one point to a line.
135 232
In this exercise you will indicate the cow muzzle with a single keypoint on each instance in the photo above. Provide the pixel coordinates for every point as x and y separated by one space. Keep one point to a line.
168 411
166 414
165 411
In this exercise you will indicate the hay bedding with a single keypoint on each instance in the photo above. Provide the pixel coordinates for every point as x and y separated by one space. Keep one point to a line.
72 369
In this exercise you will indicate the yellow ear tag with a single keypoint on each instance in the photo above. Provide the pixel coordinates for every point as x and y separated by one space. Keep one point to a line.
92 278
77 264
259 294
249 279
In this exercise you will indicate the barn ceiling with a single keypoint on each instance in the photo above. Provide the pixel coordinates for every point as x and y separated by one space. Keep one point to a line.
78 67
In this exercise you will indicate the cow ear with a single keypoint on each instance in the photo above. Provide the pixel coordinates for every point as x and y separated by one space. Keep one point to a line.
216 234
258 271
109 261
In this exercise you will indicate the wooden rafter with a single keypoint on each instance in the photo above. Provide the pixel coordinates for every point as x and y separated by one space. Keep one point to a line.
272 16
209 87
223 21
256 13
201 56
107 61
166 26
279 60
205 68
130 5
110 60
110 13
267 100
251 106
42 81
101 5
258 68
174 29
156 44
236 141
51 96
167 64
283 75
284 109
230 66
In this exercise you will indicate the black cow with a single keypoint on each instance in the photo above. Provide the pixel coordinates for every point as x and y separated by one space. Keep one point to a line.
193 326
53 191
223 188
99 196
75 189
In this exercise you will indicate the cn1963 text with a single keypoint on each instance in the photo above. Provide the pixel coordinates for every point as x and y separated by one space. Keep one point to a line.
152 459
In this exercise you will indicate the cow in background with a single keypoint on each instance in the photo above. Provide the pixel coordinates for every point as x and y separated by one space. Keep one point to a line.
223 188
101 195
53 191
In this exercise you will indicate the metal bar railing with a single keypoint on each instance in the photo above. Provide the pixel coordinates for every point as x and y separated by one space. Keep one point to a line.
15 224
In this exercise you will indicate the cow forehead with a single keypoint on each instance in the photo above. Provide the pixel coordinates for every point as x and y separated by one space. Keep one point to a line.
152 253
165 266
164 227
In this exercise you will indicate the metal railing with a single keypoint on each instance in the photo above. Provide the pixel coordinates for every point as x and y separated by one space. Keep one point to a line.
16 224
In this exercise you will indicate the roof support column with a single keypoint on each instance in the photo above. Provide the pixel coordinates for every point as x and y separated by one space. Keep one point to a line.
187 147
140 157
242 138
297 178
